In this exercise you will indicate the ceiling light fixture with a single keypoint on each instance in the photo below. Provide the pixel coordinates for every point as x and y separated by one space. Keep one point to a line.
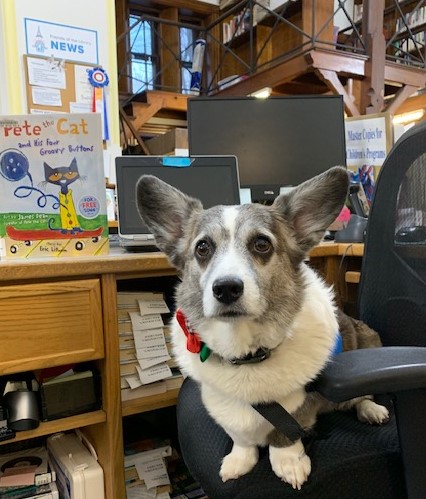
263 93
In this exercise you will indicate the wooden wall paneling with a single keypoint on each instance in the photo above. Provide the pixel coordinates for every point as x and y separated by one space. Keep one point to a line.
169 48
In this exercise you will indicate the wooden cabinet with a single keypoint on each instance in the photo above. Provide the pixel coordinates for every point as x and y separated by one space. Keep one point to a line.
50 324
340 265
55 312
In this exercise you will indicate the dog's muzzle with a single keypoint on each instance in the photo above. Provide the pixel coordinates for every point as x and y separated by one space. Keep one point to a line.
228 290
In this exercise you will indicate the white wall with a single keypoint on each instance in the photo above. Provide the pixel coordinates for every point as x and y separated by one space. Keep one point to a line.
3 95
97 15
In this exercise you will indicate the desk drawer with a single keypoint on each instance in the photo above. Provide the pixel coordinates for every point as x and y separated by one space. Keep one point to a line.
50 324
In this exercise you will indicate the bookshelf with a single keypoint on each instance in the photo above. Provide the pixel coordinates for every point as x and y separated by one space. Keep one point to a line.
262 36
37 337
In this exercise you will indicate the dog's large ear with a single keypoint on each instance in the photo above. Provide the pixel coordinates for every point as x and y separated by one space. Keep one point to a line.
168 214
314 205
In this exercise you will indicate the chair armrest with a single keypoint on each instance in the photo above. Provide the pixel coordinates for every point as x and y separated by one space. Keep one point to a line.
373 371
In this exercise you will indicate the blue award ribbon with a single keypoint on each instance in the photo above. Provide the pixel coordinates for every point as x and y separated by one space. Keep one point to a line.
98 78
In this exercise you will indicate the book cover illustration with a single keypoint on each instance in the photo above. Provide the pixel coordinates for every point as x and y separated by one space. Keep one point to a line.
52 186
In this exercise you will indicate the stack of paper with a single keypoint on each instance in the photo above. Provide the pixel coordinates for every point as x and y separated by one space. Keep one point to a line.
145 349
145 471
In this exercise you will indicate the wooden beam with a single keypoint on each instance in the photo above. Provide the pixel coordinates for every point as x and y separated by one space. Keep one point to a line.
372 87
343 63
331 78
402 94
412 104
187 5
168 100
121 25
144 112
280 73
407 75
134 131
169 50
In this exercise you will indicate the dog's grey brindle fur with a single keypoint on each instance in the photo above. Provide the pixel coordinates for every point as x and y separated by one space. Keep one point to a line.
265 248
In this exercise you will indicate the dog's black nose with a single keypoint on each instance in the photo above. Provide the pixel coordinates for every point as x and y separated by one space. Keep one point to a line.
228 289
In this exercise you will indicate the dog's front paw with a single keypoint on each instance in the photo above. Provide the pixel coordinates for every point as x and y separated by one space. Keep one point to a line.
238 462
372 413
291 464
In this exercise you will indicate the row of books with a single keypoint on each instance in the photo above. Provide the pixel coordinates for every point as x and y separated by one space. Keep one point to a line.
27 474
411 19
236 26
147 366
416 42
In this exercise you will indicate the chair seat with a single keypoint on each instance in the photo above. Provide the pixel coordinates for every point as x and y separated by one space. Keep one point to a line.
349 459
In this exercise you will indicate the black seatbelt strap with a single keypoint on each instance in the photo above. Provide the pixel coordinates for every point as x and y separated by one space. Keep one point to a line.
282 420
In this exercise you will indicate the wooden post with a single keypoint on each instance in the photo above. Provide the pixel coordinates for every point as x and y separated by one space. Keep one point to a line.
123 64
169 51
373 85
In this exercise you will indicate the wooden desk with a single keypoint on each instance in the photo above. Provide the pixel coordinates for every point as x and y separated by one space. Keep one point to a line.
59 311
340 264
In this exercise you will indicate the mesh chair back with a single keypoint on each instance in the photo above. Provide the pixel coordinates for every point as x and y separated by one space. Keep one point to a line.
392 292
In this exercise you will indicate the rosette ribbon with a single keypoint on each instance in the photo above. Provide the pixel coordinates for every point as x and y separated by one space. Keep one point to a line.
99 79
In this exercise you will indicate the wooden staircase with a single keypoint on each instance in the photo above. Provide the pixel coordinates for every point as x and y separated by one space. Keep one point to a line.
151 113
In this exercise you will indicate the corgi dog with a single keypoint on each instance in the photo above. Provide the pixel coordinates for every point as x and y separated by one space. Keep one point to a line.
254 323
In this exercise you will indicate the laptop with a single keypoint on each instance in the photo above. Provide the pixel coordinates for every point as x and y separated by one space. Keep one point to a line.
212 179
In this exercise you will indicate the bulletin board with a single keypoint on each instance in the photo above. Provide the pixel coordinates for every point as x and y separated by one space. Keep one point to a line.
62 100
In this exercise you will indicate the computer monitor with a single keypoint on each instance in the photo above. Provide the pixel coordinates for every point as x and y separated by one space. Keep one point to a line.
279 141
212 179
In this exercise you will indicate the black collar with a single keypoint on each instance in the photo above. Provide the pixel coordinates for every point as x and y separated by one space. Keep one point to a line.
194 344
259 355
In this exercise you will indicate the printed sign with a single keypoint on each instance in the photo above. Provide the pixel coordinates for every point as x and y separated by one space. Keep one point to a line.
61 41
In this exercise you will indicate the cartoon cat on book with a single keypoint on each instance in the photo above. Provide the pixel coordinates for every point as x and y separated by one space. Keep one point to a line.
63 176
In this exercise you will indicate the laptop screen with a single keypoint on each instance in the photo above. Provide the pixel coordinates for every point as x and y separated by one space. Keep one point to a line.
212 179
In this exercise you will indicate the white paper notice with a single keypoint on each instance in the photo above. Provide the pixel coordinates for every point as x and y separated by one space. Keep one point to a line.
153 471
83 89
44 96
133 381
141 323
155 304
149 343
80 107
41 74
154 373
140 492
152 361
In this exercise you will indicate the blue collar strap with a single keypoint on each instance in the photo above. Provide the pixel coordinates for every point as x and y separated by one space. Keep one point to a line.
338 345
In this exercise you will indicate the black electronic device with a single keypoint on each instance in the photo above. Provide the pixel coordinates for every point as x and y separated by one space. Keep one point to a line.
354 232
212 179
279 141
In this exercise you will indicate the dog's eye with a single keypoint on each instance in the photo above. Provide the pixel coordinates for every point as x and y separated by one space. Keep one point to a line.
262 244
202 248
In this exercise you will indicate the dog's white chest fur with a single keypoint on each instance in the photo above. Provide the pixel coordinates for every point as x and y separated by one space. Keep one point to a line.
298 354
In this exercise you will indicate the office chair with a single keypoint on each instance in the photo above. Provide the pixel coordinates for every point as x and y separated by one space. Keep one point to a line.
351 459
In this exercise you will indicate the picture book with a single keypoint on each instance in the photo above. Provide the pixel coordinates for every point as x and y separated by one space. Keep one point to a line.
52 186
